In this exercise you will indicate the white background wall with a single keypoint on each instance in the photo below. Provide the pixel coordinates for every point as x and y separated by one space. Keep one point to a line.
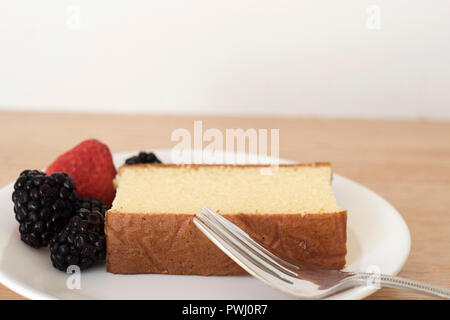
284 57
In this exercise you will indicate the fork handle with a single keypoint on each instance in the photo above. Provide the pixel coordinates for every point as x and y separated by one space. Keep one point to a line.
384 280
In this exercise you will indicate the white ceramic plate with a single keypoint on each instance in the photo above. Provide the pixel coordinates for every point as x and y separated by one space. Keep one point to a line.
378 239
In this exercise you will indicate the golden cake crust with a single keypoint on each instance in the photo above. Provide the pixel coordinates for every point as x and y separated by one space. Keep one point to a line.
221 165
172 244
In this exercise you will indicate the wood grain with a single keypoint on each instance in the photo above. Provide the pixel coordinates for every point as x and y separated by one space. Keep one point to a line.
406 162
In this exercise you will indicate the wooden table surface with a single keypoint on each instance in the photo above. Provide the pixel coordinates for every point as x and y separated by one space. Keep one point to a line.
406 162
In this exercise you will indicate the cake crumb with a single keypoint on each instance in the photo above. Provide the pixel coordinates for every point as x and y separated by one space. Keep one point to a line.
302 245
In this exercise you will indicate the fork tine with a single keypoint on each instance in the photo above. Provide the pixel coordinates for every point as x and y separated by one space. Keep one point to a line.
245 260
260 257
238 233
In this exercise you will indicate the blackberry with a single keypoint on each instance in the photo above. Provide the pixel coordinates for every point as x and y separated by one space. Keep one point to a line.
81 243
43 205
143 157
91 204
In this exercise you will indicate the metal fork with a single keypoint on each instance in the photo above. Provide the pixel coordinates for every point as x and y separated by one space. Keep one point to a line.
305 281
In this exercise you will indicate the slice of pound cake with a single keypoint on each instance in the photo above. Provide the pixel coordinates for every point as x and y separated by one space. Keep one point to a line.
293 212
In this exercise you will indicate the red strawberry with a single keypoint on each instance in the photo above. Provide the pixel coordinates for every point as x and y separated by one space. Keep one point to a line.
91 167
